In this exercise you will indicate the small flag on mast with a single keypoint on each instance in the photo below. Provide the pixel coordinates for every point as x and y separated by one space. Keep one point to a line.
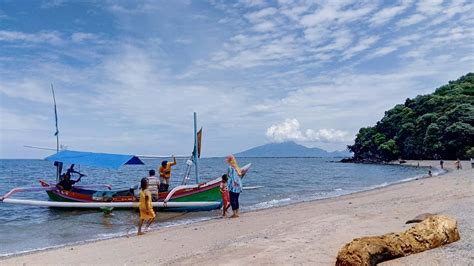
199 136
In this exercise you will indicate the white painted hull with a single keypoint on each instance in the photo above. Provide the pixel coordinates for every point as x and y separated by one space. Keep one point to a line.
93 205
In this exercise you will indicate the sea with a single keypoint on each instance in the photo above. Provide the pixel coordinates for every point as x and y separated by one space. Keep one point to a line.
271 182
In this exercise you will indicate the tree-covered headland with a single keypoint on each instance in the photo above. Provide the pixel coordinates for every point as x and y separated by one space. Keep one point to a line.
434 126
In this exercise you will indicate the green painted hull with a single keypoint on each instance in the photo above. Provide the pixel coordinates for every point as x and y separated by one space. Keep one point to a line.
55 197
212 194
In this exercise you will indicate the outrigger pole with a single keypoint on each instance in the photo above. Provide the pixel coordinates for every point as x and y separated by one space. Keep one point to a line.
196 150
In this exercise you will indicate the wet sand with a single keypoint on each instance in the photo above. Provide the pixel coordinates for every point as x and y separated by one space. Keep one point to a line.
309 233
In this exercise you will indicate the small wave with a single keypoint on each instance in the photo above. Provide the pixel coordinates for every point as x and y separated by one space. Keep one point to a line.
438 172
435 172
253 187
110 235
384 184
270 204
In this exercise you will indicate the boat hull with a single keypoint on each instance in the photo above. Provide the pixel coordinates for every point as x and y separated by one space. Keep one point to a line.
206 192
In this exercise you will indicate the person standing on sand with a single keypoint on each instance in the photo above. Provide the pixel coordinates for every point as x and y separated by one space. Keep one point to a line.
165 174
234 184
457 164
441 164
146 209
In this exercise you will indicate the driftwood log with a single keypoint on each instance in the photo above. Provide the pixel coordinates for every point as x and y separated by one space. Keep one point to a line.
432 232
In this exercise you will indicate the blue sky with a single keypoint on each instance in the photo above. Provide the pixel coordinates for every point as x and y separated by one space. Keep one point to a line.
129 74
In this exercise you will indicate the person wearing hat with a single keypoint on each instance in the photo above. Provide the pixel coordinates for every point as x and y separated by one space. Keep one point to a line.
165 174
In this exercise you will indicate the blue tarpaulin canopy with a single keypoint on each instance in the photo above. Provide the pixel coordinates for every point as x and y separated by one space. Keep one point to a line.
104 160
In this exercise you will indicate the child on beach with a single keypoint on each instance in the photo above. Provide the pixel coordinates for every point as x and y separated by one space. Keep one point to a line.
146 209
225 195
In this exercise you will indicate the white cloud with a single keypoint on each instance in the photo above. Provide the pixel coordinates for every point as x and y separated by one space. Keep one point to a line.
293 12
14 121
3 16
252 3
264 26
429 7
363 44
271 52
183 41
27 89
327 135
82 36
333 12
142 8
385 15
51 37
256 16
326 14
341 39
414 19
383 51
290 130
52 3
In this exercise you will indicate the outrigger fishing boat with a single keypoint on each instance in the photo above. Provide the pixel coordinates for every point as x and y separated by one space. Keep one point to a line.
195 197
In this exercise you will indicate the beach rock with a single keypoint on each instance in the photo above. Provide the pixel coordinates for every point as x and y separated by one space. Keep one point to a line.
420 218
432 232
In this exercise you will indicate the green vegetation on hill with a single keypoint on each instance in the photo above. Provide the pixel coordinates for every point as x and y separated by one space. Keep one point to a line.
433 126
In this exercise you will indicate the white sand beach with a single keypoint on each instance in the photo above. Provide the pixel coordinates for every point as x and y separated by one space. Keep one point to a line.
309 233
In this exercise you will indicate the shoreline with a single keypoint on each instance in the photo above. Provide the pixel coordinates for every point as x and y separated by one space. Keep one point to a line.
203 220
208 224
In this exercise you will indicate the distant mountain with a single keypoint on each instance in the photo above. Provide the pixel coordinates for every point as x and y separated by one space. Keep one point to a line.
289 149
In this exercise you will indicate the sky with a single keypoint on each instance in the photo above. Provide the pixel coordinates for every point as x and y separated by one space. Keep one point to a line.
128 75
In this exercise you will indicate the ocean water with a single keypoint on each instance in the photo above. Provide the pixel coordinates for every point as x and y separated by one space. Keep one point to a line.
271 181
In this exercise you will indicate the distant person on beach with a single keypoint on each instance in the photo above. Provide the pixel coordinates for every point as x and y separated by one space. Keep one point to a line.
429 173
165 174
66 182
146 209
234 184
457 164
225 195
153 185
441 163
